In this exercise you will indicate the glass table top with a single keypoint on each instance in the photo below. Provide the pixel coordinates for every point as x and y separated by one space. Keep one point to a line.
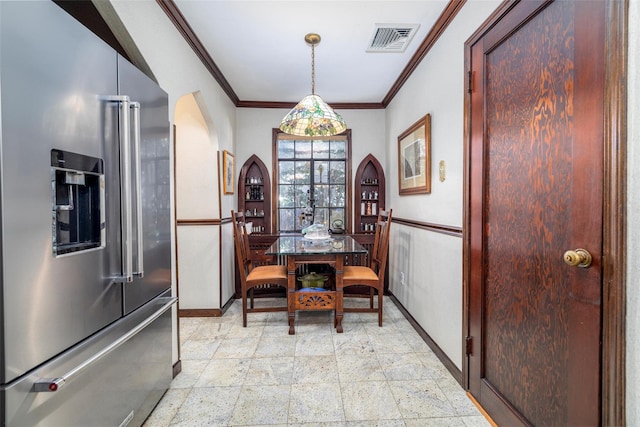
300 245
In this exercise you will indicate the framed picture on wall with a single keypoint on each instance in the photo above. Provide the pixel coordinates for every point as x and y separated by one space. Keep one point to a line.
414 158
228 171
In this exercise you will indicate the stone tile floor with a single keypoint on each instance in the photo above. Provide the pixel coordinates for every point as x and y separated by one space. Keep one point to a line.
262 376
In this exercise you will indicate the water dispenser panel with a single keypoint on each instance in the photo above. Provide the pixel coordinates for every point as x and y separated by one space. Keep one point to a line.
77 185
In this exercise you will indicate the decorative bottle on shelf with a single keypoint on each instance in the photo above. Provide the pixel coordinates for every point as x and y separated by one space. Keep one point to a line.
368 208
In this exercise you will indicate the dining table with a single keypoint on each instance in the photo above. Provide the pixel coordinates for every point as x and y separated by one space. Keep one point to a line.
300 250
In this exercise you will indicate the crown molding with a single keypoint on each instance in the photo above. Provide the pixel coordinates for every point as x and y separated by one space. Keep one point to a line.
443 21
334 105
181 24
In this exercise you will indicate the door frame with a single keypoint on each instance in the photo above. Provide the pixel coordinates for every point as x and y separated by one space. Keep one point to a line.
614 205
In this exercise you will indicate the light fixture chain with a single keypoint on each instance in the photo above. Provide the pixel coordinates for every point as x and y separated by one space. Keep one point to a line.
313 69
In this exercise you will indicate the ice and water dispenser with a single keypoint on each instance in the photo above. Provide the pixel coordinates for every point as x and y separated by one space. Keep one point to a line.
78 197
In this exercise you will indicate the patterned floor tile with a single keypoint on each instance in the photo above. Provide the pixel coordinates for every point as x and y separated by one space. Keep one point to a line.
367 376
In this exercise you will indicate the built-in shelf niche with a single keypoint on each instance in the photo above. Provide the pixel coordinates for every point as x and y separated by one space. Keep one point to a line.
369 195
254 195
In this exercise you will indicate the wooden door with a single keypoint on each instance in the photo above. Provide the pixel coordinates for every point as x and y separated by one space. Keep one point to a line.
535 188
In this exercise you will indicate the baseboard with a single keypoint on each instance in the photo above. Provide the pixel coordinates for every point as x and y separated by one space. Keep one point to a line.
481 409
177 368
200 312
441 355
228 304
205 312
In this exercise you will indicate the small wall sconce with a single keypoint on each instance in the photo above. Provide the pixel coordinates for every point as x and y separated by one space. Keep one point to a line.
442 170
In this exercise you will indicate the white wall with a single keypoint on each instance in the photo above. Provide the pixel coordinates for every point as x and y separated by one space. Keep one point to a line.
432 263
633 208
227 266
432 268
196 183
196 163
199 266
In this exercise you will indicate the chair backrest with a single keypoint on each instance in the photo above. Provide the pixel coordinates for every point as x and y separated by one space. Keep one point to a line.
381 243
241 239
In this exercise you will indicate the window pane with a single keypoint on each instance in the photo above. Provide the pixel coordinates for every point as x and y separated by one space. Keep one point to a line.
337 214
337 196
321 216
287 220
302 195
321 194
337 173
320 149
286 172
300 220
285 149
286 196
303 172
320 172
339 149
303 149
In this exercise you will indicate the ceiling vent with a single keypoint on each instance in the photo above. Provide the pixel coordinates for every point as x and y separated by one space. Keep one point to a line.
392 37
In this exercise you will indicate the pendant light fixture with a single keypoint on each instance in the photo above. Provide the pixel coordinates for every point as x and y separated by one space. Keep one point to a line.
312 116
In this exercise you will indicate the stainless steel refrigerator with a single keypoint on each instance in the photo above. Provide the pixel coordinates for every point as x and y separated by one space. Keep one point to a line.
85 266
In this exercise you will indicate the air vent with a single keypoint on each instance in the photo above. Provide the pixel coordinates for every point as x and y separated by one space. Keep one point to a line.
392 37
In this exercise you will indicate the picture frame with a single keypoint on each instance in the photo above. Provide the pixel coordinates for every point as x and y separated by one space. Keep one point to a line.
414 158
228 172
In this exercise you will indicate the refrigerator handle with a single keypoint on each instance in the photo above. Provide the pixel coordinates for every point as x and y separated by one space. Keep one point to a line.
124 104
54 384
139 267
125 172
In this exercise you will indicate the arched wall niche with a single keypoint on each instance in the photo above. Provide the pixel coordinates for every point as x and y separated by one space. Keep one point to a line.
196 145
197 207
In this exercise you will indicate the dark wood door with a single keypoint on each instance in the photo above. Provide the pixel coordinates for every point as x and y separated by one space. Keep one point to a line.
535 191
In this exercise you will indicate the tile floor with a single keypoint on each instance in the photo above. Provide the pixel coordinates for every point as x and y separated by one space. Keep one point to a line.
261 376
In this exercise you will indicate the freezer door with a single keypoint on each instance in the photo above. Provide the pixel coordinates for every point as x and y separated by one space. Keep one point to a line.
113 379
53 75
150 189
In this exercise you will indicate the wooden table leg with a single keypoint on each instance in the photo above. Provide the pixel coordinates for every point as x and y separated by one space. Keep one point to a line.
339 293
291 293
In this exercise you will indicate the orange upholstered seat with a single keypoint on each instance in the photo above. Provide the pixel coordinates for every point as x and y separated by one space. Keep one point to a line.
356 272
267 272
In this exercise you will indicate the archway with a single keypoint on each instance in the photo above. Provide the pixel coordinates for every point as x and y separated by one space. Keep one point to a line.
197 209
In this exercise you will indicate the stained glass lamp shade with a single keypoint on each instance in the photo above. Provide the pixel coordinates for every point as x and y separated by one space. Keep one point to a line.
312 116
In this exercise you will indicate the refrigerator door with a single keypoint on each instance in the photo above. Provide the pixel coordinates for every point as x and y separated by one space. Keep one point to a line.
51 85
150 189
115 378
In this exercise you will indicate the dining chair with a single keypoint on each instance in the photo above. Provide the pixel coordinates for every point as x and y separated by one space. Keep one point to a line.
373 275
252 276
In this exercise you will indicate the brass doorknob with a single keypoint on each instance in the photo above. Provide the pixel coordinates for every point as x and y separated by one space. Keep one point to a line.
579 257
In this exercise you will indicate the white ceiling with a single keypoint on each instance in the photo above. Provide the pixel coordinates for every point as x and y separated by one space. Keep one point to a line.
259 45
